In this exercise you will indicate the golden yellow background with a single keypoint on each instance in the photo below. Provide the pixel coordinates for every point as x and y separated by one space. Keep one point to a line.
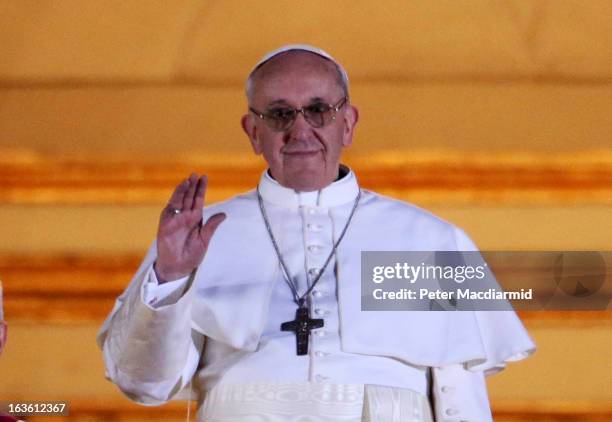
494 114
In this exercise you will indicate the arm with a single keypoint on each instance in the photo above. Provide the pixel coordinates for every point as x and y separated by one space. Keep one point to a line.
149 349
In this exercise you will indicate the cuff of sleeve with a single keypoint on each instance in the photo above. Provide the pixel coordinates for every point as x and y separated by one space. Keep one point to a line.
156 295
460 395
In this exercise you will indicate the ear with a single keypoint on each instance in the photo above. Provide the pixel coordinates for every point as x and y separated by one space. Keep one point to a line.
250 128
351 117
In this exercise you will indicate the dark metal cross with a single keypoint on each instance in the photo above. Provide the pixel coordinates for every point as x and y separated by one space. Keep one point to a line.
301 326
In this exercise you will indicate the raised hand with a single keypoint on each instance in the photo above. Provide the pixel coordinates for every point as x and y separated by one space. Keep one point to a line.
182 239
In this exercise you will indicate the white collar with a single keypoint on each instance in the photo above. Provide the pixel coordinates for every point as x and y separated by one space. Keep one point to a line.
339 192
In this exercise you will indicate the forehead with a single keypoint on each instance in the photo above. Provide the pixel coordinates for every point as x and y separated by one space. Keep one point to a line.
296 76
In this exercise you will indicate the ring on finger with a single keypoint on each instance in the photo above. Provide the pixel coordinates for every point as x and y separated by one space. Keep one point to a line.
175 211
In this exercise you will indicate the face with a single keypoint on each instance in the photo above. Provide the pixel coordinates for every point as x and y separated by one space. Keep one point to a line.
302 157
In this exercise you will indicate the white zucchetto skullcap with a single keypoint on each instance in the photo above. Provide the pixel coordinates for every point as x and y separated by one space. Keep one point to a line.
302 47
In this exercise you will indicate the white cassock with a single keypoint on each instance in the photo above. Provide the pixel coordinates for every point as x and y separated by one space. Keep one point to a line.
220 328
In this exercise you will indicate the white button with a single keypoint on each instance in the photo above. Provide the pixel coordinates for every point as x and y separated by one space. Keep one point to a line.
320 312
311 211
446 389
317 293
320 333
320 354
451 411
313 271
314 248
314 227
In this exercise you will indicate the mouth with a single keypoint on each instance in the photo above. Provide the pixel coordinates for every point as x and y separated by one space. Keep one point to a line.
302 153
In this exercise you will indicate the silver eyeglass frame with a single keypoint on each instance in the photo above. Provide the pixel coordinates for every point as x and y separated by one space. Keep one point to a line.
335 108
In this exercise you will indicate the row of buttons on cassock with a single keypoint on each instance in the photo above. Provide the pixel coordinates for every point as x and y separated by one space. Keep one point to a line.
313 272
320 333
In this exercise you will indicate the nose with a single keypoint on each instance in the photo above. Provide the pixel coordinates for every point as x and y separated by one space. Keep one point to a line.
299 128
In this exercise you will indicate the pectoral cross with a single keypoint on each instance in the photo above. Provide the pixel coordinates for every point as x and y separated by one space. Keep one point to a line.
302 325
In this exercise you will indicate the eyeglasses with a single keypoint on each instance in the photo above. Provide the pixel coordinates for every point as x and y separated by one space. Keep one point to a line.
317 115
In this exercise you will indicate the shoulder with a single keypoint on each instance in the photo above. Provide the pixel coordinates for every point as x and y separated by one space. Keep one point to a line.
399 216
405 211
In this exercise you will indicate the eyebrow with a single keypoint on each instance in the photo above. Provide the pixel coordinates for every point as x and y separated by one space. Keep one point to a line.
277 102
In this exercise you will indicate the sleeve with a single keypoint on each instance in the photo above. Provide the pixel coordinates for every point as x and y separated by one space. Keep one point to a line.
460 395
150 353
156 295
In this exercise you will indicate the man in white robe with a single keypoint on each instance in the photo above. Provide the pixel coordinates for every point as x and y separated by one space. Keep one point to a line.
204 312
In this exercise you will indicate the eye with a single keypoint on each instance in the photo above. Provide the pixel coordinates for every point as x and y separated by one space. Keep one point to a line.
281 113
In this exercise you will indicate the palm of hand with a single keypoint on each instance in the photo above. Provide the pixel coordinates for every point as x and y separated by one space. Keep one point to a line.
182 239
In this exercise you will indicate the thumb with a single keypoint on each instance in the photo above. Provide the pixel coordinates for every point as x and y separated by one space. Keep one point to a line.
209 228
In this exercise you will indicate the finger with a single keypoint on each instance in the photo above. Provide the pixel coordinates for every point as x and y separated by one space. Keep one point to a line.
200 194
188 196
208 229
176 200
